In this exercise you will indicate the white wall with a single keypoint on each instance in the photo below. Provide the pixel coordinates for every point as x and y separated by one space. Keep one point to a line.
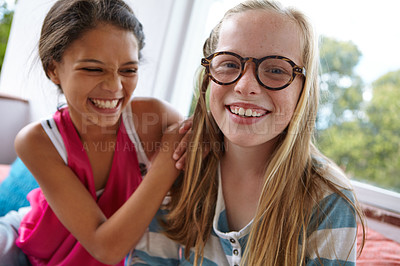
21 75
11 122
167 24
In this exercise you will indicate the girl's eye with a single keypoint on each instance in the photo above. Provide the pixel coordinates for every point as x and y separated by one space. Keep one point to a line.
231 65
276 71
90 69
129 71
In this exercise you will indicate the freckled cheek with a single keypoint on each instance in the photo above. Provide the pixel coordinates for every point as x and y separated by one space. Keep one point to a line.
216 100
281 120
288 110
217 92
213 107
286 101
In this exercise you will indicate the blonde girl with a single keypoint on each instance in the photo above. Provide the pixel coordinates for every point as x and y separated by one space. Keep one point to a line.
264 195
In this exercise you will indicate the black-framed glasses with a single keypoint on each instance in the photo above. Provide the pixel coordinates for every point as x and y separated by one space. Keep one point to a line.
273 72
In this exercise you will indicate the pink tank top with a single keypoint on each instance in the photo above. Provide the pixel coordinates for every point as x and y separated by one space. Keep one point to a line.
42 237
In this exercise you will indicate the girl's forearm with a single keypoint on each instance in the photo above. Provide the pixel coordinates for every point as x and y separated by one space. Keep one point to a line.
121 232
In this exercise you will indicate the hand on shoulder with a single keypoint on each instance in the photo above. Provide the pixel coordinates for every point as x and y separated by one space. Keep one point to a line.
151 118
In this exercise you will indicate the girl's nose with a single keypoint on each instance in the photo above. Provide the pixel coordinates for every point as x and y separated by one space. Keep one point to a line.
112 83
248 84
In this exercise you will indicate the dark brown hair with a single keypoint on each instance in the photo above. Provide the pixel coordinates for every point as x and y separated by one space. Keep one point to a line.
67 20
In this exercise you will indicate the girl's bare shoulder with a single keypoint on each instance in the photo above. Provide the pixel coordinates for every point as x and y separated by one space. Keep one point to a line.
31 137
35 148
152 106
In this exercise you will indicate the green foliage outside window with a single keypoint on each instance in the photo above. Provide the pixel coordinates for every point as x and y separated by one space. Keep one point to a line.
6 17
362 136
341 88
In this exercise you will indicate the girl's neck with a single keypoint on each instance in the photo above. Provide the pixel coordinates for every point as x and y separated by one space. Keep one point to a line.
242 178
97 133
89 131
247 162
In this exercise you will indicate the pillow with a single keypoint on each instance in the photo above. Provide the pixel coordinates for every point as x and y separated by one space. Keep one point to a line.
15 187
4 170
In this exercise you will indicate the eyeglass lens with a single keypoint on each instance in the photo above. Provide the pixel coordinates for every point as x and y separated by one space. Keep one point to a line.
272 72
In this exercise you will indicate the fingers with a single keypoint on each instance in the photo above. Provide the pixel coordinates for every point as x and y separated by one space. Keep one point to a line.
185 128
180 155
182 146
173 128
180 164
186 125
180 151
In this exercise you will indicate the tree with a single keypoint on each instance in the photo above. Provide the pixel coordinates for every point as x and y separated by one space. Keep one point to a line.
341 88
5 26
383 113
360 136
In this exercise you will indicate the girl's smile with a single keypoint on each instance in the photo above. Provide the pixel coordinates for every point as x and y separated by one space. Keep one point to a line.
105 104
244 113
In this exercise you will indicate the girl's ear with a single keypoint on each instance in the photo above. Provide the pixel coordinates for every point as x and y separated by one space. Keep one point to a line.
52 72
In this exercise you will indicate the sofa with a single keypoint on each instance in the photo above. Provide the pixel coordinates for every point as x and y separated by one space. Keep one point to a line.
15 179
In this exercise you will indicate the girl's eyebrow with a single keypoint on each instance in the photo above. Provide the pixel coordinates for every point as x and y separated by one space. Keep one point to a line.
90 61
135 62
131 63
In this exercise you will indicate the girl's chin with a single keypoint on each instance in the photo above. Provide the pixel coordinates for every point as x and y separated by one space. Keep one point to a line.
246 140
249 136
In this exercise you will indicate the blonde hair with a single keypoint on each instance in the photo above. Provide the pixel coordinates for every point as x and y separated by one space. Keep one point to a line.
294 177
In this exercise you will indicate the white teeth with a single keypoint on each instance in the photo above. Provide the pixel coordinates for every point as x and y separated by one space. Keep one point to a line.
105 104
244 112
